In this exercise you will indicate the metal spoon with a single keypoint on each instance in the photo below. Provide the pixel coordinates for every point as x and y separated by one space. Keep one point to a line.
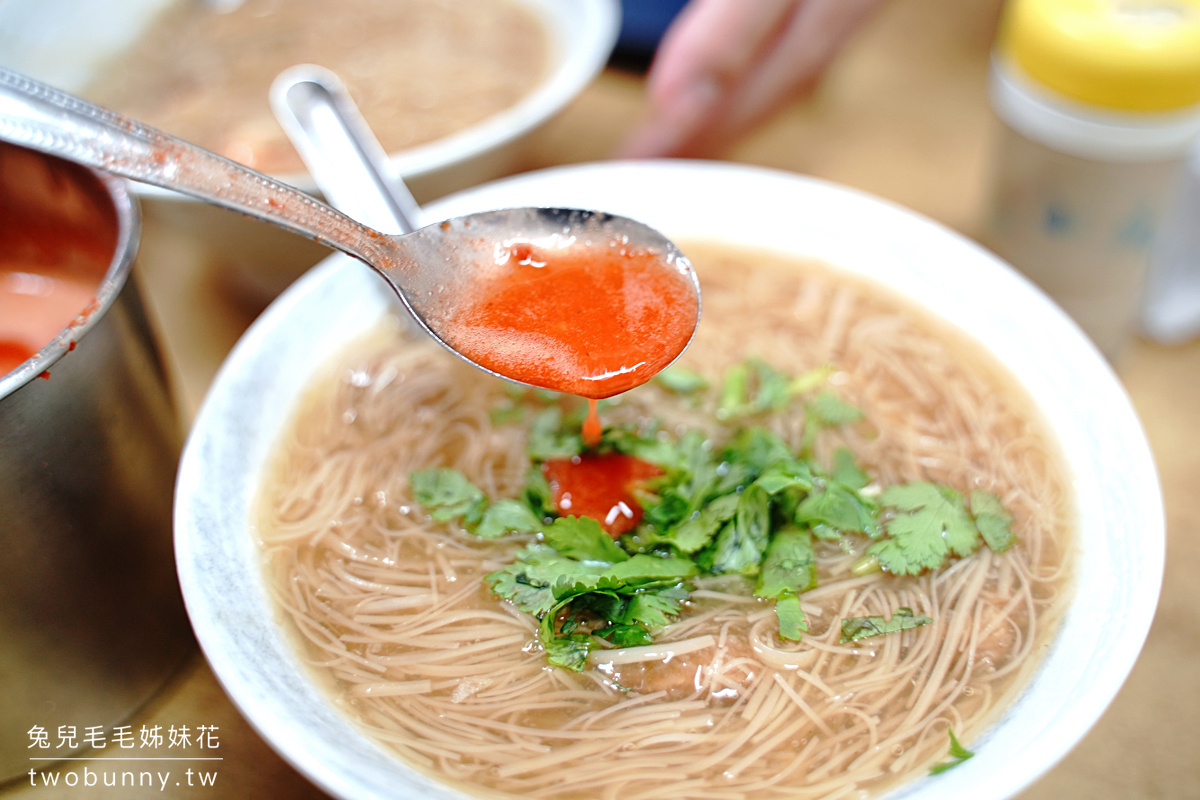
432 269
341 153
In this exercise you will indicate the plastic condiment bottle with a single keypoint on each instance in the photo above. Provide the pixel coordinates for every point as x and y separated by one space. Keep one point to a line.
1101 101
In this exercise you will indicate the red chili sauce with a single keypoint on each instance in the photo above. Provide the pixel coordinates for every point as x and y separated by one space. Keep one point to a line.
602 486
58 231
593 321
34 308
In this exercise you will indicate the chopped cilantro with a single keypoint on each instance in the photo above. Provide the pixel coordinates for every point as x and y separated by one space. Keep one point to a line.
741 502
640 590
792 623
958 754
810 381
529 580
931 524
623 635
698 529
507 516
790 565
846 470
681 380
549 437
903 619
786 474
741 543
827 409
537 494
833 509
447 494
753 387
583 539
788 570
992 520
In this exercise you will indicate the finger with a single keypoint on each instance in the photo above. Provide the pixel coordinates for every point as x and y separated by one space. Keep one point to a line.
750 84
793 66
705 51
714 40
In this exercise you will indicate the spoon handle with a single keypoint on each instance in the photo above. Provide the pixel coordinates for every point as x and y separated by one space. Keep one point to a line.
43 118
343 156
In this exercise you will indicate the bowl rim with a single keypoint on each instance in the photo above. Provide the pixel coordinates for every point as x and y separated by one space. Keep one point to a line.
1060 702
583 34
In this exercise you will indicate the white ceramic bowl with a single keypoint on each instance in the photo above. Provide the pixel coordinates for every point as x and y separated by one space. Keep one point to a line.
1119 502
63 42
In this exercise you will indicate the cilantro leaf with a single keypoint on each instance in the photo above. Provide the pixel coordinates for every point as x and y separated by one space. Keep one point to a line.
569 652
642 590
447 495
641 571
655 450
741 543
583 539
733 391
754 387
792 622
507 516
790 565
691 475
788 569
829 410
992 520
754 449
826 410
846 470
681 380
623 635
695 532
903 619
549 437
833 508
655 609
771 388
528 582
958 754
786 474
808 381
932 523
537 493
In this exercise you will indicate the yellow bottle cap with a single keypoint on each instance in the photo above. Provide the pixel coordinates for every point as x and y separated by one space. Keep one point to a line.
1128 55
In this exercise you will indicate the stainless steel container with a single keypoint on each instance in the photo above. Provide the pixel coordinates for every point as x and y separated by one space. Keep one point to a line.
91 620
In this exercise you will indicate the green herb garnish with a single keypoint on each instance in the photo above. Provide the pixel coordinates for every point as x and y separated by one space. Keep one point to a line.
857 628
743 503
448 495
958 754
681 380
932 523
638 591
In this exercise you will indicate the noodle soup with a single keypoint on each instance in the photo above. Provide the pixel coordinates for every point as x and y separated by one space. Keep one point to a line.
394 614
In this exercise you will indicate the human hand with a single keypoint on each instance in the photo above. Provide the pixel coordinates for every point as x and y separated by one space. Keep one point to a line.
725 66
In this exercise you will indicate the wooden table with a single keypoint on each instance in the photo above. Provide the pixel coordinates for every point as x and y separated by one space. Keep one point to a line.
903 115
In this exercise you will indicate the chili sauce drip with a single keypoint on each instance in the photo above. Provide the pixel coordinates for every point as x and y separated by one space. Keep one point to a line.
593 321
602 486
592 428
